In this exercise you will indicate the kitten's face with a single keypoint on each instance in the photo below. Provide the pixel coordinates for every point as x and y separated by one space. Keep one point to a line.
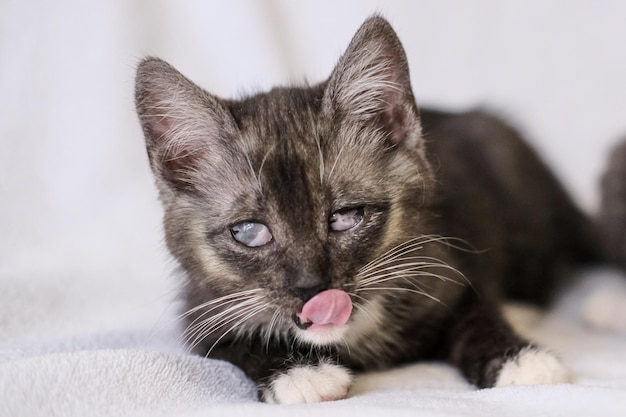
272 199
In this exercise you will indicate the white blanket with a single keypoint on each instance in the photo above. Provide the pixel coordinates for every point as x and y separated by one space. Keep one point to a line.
131 364
85 300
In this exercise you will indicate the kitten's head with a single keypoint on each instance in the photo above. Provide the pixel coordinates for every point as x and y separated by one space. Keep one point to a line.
274 198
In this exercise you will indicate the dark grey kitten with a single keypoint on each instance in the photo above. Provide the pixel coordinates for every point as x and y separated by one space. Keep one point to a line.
329 229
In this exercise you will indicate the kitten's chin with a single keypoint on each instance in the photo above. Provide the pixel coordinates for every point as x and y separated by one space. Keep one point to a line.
322 334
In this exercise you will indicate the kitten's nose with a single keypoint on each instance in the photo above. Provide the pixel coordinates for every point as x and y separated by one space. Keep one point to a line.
306 286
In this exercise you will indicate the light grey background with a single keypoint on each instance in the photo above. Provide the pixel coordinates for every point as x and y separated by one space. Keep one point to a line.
75 189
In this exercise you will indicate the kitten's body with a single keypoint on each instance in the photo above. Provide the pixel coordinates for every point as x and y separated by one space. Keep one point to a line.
421 223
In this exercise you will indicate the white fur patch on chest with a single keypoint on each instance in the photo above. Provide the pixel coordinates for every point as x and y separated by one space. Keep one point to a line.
533 366
307 384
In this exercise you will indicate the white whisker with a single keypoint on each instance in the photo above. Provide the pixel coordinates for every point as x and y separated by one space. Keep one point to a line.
402 289
234 326
391 254
219 300
268 331
398 255
417 267
217 318
230 298
206 328
404 269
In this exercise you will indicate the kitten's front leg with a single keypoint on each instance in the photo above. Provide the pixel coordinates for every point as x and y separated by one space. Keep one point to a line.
305 383
286 376
490 354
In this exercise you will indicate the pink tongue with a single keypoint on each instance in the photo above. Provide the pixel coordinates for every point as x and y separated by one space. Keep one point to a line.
331 307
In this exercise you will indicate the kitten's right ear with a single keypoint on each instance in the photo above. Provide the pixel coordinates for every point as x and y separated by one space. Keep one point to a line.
371 84
183 125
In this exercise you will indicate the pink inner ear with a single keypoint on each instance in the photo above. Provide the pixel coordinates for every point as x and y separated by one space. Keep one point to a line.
159 127
380 91
175 162
394 121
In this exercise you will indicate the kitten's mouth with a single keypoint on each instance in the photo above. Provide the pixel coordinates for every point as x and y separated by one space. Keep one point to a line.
325 311
300 324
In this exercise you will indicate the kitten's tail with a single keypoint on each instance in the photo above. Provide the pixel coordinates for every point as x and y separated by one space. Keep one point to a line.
604 306
612 216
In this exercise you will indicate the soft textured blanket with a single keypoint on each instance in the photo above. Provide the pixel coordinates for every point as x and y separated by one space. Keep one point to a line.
136 366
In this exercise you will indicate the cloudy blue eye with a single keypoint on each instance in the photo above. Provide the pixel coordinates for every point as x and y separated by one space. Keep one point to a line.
251 234
346 219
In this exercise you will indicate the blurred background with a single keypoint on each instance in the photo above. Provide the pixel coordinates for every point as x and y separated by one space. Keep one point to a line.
78 210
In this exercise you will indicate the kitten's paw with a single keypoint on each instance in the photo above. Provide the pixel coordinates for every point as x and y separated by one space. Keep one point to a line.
308 384
532 366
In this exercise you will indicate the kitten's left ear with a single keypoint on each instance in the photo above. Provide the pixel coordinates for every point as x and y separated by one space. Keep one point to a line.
371 84
187 130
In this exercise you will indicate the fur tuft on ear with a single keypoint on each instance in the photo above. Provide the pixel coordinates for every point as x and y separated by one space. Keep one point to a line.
371 83
182 124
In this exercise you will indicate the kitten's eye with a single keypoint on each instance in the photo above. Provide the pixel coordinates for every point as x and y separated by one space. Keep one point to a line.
251 234
346 219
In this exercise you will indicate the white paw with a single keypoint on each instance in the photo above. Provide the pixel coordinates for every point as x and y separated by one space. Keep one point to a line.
309 384
533 366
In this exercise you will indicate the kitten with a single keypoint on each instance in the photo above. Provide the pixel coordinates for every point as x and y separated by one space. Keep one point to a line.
330 229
